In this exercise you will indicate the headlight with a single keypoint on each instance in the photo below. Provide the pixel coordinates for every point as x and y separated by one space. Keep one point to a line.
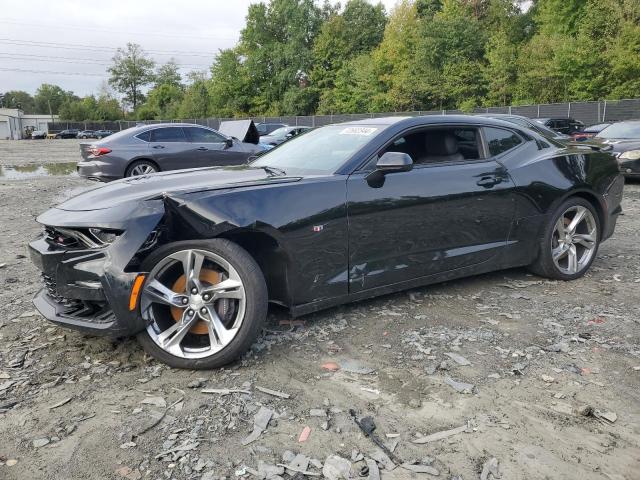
81 238
630 155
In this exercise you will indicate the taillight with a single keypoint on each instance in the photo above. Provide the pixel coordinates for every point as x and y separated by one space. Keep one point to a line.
97 151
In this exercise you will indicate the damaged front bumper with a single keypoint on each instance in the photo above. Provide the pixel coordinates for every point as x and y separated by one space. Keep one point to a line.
89 289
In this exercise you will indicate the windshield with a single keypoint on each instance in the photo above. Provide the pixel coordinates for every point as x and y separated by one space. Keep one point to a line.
621 130
280 132
321 151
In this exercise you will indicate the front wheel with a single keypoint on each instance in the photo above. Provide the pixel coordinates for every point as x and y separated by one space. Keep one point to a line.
570 241
204 303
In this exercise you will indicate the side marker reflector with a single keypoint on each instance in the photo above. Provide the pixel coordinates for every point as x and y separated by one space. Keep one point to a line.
135 292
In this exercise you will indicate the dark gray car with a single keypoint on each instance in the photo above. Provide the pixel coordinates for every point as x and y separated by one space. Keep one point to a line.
529 123
161 147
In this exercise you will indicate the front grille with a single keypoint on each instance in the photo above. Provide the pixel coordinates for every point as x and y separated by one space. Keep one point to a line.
52 290
96 312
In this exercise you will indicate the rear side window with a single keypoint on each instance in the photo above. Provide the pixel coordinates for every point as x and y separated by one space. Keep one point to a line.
144 136
202 135
500 141
169 134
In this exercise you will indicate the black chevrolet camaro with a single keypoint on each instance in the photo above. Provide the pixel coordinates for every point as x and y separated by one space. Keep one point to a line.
188 260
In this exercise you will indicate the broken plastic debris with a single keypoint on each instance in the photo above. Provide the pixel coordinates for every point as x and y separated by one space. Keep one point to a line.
304 435
260 423
434 437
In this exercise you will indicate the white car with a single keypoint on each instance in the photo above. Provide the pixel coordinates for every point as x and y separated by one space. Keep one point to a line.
39 134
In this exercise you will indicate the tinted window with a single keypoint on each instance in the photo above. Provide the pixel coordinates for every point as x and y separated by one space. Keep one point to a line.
169 134
438 145
144 136
202 135
500 140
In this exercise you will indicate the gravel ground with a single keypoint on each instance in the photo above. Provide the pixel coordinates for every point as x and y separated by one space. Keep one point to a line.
552 369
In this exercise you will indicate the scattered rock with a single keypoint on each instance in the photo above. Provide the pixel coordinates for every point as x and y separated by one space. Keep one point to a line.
354 366
260 423
418 468
336 468
459 359
460 387
490 469
155 401
41 442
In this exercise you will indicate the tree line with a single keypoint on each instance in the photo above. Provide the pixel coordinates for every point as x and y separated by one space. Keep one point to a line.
299 57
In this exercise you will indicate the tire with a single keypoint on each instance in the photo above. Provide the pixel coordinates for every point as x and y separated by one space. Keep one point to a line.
569 257
141 167
251 304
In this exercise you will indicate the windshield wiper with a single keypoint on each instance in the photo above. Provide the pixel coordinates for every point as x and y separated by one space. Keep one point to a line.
278 172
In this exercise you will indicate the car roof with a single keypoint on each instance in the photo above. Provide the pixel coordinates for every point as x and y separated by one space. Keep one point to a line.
431 120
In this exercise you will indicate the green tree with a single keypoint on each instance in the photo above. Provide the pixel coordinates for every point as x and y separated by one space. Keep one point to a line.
195 103
624 57
500 72
131 70
358 29
15 98
168 74
276 48
230 87
49 98
165 99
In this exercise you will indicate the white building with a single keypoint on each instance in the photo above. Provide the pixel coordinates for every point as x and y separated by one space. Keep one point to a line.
14 124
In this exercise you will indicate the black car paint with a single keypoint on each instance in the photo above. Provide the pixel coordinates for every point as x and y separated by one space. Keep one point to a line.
629 168
326 240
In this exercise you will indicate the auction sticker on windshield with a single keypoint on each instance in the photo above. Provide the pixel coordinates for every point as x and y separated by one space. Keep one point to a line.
366 131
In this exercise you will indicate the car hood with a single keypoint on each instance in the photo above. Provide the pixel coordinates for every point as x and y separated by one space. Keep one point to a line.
183 181
618 145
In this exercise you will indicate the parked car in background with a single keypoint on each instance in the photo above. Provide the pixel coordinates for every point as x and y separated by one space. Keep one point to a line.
562 125
70 133
161 147
267 128
527 122
102 133
39 134
624 139
85 134
282 134
589 132
189 260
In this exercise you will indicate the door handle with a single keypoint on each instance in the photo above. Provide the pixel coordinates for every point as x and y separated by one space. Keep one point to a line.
158 146
488 181
202 149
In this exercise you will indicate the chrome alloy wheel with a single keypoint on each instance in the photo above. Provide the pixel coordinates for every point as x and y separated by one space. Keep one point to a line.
142 169
194 301
574 240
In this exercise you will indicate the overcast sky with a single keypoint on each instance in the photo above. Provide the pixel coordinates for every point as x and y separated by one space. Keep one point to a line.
73 41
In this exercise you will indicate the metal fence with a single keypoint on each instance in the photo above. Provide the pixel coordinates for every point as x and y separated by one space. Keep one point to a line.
587 112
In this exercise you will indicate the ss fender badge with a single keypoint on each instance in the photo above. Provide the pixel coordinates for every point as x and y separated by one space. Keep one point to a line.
318 228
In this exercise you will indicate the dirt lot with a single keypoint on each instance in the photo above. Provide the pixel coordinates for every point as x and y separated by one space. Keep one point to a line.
535 354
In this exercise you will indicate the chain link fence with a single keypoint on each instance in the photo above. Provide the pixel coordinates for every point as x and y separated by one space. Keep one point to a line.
587 112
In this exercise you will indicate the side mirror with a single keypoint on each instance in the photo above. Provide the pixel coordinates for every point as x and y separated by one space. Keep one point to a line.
394 162
228 143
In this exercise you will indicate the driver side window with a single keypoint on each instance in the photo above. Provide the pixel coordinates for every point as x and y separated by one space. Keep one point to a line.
439 145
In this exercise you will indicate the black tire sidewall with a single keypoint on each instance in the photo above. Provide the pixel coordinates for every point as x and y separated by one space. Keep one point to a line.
255 310
545 264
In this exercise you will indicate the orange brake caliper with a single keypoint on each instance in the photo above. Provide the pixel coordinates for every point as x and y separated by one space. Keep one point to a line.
208 277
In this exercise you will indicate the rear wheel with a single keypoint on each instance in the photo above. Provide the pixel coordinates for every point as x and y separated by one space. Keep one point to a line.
204 303
141 167
570 242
